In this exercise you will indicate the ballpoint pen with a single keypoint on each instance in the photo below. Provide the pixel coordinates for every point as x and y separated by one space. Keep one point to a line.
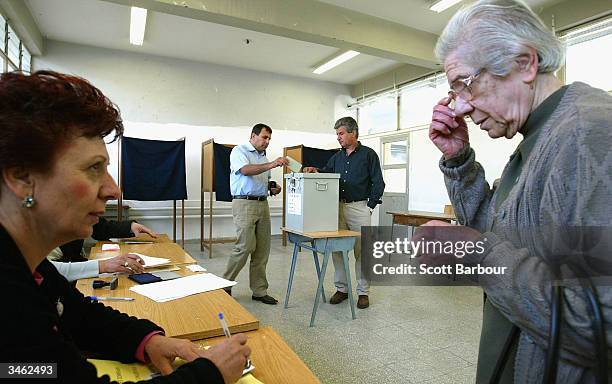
227 334
99 298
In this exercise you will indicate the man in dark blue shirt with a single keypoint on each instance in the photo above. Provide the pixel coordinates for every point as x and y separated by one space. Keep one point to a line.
361 187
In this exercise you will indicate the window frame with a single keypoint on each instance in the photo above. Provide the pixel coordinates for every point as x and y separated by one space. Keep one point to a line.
8 64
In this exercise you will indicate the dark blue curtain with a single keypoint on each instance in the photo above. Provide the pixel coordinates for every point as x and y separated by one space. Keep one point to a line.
315 157
153 170
221 182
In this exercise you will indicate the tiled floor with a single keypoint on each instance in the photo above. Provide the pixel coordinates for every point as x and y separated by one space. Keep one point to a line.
408 335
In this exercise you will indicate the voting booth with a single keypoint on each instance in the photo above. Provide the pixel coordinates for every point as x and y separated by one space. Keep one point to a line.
311 201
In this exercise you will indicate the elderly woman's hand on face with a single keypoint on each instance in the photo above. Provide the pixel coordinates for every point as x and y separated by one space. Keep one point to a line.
123 263
447 131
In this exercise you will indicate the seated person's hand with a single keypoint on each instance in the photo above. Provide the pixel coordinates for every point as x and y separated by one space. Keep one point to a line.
310 170
126 262
229 357
138 229
163 350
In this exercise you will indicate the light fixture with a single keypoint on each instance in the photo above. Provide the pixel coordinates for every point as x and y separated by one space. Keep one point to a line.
335 62
443 5
138 22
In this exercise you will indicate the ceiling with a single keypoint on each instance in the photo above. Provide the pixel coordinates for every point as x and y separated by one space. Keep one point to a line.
415 13
106 24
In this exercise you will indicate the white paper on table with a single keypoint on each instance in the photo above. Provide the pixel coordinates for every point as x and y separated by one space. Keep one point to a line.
196 268
186 286
294 165
150 261
110 247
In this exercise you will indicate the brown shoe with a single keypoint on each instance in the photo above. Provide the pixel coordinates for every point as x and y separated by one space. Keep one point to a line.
363 302
338 297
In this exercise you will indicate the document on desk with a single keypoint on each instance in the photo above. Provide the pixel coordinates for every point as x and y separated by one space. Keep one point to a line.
183 287
133 372
150 261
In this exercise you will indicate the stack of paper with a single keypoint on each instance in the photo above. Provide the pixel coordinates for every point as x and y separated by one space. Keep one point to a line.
196 268
150 261
110 247
183 287
133 372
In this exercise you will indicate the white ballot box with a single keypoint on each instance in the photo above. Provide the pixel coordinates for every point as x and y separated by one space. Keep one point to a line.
311 201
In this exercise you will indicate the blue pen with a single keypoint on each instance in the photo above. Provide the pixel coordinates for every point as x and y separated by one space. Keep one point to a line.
226 330
227 333
99 298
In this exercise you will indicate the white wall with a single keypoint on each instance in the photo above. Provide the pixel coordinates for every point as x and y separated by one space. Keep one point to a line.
163 98
426 182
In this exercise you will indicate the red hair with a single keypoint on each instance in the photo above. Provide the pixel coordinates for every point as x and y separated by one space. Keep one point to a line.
42 112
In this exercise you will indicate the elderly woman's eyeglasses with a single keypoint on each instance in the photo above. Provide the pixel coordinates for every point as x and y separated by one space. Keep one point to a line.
463 87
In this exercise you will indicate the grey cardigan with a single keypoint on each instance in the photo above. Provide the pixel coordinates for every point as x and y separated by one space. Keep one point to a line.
566 181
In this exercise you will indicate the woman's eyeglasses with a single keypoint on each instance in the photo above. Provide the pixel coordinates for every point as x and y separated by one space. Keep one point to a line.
463 87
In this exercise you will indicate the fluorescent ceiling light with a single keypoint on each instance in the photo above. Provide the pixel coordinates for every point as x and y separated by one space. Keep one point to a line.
335 62
138 22
443 5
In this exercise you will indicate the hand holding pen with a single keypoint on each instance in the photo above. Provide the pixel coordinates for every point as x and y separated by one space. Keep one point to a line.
230 357
227 334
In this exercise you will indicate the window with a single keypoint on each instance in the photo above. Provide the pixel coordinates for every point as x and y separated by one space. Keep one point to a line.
13 54
588 54
379 114
14 46
2 34
395 162
417 100
395 153
26 60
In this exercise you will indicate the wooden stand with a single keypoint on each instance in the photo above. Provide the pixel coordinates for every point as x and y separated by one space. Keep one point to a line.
296 153
207 185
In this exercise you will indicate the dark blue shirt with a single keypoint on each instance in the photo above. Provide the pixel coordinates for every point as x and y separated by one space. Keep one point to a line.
360 175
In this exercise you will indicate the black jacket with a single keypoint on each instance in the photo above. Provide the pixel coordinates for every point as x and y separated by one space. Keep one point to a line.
103 230
32 330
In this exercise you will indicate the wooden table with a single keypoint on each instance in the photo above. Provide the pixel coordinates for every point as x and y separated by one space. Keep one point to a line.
193 317
161 238
274 361
417 218
325 243
167 250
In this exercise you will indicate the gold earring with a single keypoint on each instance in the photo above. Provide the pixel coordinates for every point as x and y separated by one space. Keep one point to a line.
28 202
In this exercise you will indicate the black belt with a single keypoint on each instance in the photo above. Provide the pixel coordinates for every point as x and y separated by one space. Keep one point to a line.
247 197
351 201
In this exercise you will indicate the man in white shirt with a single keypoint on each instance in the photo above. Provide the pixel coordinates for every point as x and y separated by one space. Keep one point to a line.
249 183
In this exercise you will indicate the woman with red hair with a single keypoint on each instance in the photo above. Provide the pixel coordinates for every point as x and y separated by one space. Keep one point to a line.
54 185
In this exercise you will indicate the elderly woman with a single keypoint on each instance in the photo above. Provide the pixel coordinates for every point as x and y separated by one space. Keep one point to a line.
54 187
500 61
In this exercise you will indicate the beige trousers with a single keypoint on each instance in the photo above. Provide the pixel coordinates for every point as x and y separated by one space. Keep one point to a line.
352 216
252 221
